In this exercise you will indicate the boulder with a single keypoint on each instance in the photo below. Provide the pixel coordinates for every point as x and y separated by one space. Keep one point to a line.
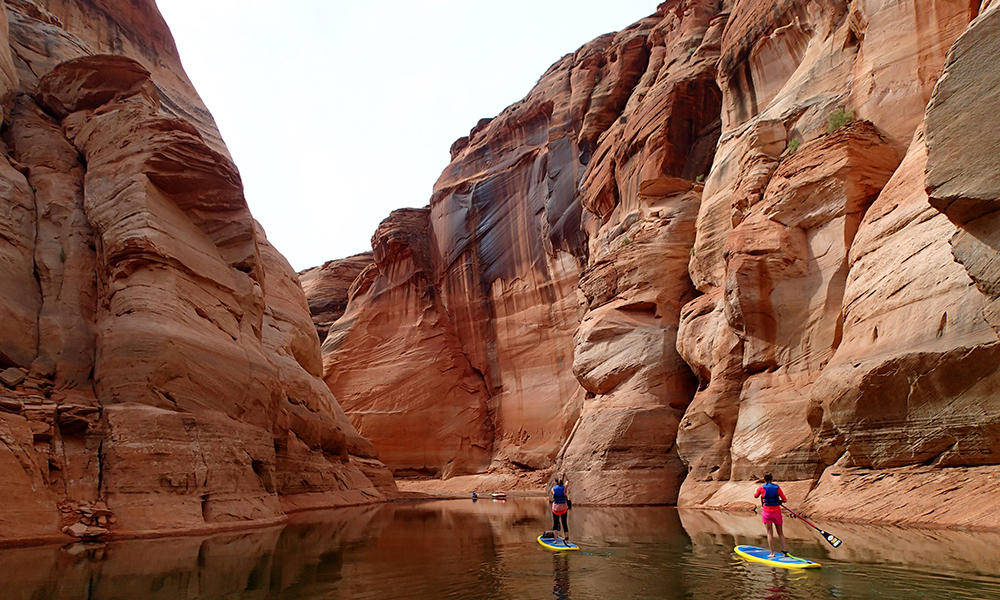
12 377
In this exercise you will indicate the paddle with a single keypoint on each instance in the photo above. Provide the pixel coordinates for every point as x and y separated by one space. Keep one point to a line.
834 540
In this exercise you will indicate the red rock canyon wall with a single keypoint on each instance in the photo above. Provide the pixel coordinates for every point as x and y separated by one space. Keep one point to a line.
759 237
160 368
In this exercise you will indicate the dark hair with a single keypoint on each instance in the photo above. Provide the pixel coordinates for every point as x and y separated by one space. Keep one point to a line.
768 478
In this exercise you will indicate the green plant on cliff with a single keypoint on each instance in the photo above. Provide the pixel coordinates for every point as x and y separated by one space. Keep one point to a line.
838 119
793 145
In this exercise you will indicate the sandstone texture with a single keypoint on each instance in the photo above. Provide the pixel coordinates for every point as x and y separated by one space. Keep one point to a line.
327 288
161 371
397 364
836 293
734 238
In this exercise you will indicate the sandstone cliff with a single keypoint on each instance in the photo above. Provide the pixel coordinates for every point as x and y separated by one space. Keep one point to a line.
160 369
701 249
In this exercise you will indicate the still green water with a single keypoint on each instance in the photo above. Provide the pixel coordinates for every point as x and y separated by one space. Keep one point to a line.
459 549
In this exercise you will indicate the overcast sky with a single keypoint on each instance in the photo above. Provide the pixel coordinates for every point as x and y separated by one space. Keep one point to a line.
339 112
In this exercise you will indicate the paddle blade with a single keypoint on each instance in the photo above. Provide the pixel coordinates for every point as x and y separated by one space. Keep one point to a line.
834 540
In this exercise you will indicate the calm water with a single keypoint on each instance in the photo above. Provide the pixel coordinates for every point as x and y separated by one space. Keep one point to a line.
486 550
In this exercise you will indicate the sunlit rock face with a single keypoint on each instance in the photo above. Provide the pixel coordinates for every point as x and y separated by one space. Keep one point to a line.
821 341
759 238
642 191
159 353
912 389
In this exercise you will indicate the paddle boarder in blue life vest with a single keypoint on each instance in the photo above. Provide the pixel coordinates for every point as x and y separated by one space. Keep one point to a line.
560 506
771 498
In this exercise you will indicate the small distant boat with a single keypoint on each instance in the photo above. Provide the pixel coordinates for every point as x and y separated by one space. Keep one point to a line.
499 495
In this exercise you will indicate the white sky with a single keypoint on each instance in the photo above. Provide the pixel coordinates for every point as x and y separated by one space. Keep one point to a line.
338 112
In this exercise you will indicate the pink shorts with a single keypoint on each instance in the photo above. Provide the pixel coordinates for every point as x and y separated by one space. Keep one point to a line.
771 517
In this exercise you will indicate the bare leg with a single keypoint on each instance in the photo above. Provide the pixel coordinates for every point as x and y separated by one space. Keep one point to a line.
781 538
770 538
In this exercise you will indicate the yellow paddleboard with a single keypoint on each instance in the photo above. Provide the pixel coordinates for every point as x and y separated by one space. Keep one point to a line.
557 543
785 561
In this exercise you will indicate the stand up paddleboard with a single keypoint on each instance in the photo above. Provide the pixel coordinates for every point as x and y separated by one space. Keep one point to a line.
554 542
782 560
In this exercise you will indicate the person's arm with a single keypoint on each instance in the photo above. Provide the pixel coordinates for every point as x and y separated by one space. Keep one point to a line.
781 495
759 491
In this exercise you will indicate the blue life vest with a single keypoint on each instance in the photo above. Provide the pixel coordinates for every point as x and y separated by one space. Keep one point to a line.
771 497
559 494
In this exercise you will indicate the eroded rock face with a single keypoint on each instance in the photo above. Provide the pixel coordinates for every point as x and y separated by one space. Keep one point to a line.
169 364
641 187
473 317
938 374
395 362
767 281
327 288
962 178
811 244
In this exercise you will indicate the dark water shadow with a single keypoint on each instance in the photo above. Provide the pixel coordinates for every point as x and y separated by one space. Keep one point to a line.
487 551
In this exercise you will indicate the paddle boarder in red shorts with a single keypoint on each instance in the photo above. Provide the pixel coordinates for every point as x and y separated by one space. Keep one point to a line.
771 498
560 506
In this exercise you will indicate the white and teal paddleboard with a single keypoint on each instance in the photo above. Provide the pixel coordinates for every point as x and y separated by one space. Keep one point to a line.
785 561
556 543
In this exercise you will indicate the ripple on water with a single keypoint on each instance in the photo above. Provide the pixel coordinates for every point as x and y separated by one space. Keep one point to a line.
459 550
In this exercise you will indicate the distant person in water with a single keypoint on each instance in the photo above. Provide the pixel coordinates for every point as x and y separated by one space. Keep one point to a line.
771 498
560 506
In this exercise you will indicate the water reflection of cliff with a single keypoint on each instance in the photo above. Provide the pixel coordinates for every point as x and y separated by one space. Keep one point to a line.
486 550
344 553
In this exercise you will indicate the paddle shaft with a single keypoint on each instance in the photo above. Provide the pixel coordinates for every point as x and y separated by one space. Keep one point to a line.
834 540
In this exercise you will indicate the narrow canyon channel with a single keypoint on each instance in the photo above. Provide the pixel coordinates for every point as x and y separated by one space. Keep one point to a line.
460 549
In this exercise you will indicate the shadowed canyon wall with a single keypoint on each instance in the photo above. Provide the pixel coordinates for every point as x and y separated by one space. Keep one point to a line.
160 371
702 249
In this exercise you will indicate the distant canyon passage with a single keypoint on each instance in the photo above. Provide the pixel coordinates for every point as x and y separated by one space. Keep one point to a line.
730 239
733 238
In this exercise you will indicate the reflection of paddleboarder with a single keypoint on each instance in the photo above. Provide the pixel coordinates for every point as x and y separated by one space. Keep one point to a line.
560 576
560 506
